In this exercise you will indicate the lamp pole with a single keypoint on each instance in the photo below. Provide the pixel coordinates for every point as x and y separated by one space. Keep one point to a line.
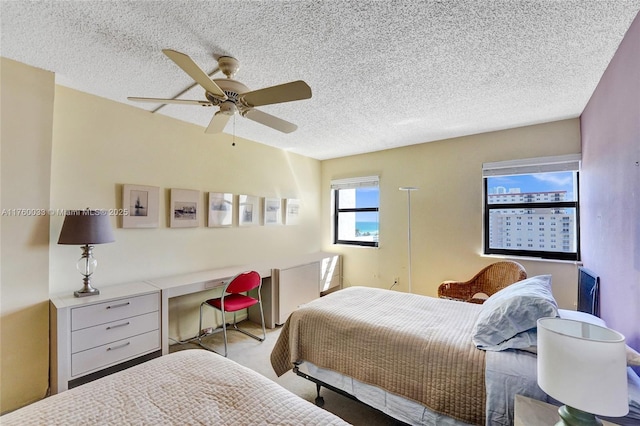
408 189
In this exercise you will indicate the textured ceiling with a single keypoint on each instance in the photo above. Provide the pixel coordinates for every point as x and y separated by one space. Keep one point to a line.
383 73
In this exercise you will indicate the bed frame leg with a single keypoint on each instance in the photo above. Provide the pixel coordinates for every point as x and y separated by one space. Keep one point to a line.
319 399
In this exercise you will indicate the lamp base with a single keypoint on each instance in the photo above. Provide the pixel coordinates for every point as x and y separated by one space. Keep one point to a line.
82 292
86 290
570 416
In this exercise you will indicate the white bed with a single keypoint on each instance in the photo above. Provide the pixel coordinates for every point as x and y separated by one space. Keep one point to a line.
355 327
184 388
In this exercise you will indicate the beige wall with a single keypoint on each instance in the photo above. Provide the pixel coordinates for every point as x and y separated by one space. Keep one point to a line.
27 97
446 216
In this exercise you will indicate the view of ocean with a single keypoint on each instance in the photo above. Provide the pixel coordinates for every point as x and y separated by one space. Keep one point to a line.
370 227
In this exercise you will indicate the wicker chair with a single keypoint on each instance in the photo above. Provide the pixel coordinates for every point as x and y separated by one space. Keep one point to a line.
489 280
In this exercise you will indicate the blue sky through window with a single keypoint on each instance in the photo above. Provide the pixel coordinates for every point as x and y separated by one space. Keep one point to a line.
367 197
537 182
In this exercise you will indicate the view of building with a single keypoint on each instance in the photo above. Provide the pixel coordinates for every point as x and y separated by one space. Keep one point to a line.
532 229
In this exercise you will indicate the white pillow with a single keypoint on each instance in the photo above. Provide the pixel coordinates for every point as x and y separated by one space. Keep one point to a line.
581 316
512 313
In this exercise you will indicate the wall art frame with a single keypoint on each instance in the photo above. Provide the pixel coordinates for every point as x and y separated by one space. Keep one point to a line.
185 208
248 210
292 211
221 210
272 211
142 203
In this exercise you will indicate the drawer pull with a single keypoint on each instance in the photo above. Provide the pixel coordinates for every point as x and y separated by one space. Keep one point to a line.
118 325
119 305
118 347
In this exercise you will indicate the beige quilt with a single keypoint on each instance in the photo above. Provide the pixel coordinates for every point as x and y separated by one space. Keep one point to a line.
415 346
190 387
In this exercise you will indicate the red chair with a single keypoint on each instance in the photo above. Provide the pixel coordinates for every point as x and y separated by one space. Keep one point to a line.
232 300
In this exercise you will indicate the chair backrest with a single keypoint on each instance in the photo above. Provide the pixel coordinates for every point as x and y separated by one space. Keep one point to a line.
499 275
244 281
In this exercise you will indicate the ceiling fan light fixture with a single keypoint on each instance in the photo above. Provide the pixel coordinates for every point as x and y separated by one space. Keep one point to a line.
228 108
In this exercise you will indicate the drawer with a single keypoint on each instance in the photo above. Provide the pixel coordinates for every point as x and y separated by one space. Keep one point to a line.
102 313
114 353
102 334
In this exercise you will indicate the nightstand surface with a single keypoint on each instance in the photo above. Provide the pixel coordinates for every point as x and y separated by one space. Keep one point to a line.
531 412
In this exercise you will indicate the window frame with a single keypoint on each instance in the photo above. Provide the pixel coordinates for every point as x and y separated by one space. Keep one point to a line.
531 167
353 183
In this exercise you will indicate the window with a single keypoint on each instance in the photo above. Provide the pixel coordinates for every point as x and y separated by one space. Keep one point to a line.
356 203
544 190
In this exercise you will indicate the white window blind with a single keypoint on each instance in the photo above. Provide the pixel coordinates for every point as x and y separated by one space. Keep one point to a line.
561 163
355 182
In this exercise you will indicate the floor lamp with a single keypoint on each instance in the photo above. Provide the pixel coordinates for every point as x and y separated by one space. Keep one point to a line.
409 189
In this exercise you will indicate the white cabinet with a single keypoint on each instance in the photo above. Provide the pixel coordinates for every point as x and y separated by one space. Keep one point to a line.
91 336
330 273
296 286
295 282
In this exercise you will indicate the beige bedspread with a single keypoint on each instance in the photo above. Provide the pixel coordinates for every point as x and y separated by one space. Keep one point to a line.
190 387
415 346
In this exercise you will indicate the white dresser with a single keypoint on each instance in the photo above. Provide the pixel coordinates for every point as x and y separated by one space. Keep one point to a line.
97 335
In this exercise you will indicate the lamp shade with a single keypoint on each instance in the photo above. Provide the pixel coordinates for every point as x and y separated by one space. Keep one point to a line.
583 366
86 227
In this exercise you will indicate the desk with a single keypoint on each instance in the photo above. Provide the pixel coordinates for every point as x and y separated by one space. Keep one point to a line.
179 285
272 274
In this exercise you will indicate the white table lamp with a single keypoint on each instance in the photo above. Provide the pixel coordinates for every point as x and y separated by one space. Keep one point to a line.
584 367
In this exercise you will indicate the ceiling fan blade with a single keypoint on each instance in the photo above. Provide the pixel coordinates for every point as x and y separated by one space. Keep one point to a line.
171 101
270 121
191 68
217 123
294 91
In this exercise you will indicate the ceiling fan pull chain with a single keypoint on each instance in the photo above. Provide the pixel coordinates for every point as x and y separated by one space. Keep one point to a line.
234 130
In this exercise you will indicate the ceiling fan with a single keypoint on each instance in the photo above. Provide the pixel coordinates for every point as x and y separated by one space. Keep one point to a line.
232 96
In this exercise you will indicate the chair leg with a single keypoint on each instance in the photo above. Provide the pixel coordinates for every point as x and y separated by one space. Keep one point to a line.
224 330
200 326
235 326
202 345
264 331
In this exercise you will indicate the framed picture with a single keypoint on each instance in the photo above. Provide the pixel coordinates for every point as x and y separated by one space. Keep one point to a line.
292 211
272 211
221 209
185 208
248 210
142 204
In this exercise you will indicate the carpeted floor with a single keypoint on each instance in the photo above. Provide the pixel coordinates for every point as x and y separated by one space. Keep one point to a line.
255 355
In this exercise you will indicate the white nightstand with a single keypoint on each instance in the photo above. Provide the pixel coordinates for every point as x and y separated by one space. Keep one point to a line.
97 335
531 412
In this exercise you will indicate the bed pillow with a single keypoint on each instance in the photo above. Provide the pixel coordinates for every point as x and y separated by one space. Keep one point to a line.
581 316
532 335
512 313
